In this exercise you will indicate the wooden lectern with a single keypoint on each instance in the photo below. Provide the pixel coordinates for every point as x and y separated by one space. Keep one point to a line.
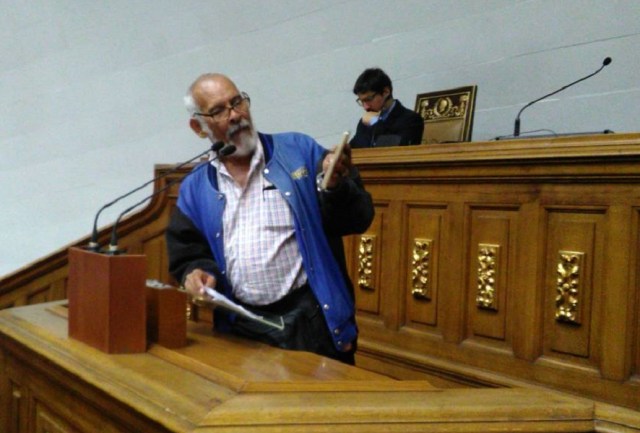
107 300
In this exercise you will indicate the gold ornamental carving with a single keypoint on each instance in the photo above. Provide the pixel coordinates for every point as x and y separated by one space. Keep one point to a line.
570 268
487 296
445 107
366 252
420 269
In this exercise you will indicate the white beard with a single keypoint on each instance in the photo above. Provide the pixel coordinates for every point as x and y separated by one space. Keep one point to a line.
246 141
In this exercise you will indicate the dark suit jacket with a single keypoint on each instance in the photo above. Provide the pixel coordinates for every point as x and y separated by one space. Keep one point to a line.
401 127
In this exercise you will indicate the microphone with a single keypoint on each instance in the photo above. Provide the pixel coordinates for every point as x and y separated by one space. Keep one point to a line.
516 126
93 243
113 249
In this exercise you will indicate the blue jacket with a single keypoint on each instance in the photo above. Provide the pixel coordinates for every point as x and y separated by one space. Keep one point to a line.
320 218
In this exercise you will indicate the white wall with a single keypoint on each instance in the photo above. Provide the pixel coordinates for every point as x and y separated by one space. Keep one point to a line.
92 90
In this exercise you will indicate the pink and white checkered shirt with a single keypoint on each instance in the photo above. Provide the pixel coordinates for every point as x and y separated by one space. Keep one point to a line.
261 251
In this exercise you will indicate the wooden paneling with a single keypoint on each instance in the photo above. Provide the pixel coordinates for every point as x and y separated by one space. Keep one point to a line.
528 254
492 245
369 285
424 240
574 266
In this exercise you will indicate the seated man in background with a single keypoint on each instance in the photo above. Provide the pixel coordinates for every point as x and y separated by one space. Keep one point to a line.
386 122
256 226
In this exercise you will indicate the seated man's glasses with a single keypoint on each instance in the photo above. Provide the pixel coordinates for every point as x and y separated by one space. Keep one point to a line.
367 99
221 113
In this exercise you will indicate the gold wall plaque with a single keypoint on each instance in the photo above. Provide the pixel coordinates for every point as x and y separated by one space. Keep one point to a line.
366 252
570 267
487 296
446 106
420 268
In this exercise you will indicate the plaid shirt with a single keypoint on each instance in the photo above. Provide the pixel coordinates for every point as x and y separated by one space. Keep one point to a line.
260 246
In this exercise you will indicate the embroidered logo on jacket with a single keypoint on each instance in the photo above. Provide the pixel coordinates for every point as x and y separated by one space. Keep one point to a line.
300 173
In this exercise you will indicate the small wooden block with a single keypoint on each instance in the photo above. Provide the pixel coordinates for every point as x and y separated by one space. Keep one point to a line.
166 316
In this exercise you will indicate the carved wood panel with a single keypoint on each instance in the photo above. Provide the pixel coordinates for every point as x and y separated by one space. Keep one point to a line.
491 264
573 269
367 271
425 225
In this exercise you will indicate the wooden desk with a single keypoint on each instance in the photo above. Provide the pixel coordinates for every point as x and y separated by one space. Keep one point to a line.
50 383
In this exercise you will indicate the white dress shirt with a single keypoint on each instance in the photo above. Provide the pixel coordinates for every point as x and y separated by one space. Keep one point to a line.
260 247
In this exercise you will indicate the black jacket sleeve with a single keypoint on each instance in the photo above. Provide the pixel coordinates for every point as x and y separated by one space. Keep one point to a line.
347 209
187 248
362 137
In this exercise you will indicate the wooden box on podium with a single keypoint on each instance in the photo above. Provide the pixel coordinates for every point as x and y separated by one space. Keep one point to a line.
107 306
166 315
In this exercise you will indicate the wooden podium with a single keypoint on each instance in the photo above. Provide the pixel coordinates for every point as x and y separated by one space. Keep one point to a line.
107 300
221 383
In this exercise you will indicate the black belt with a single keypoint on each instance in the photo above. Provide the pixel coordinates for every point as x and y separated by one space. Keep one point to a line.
285 304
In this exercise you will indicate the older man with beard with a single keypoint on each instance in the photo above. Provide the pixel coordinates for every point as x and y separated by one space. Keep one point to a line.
256 226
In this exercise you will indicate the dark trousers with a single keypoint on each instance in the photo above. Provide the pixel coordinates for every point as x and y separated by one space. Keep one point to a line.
304 326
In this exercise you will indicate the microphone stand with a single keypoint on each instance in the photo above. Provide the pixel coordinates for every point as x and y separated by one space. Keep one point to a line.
93 243
113 244
516 127
107 296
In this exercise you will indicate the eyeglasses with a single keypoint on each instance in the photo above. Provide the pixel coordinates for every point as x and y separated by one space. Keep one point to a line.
221 113
366 99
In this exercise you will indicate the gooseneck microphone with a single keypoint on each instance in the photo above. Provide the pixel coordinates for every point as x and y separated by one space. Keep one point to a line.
516 126
93 243
223 150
